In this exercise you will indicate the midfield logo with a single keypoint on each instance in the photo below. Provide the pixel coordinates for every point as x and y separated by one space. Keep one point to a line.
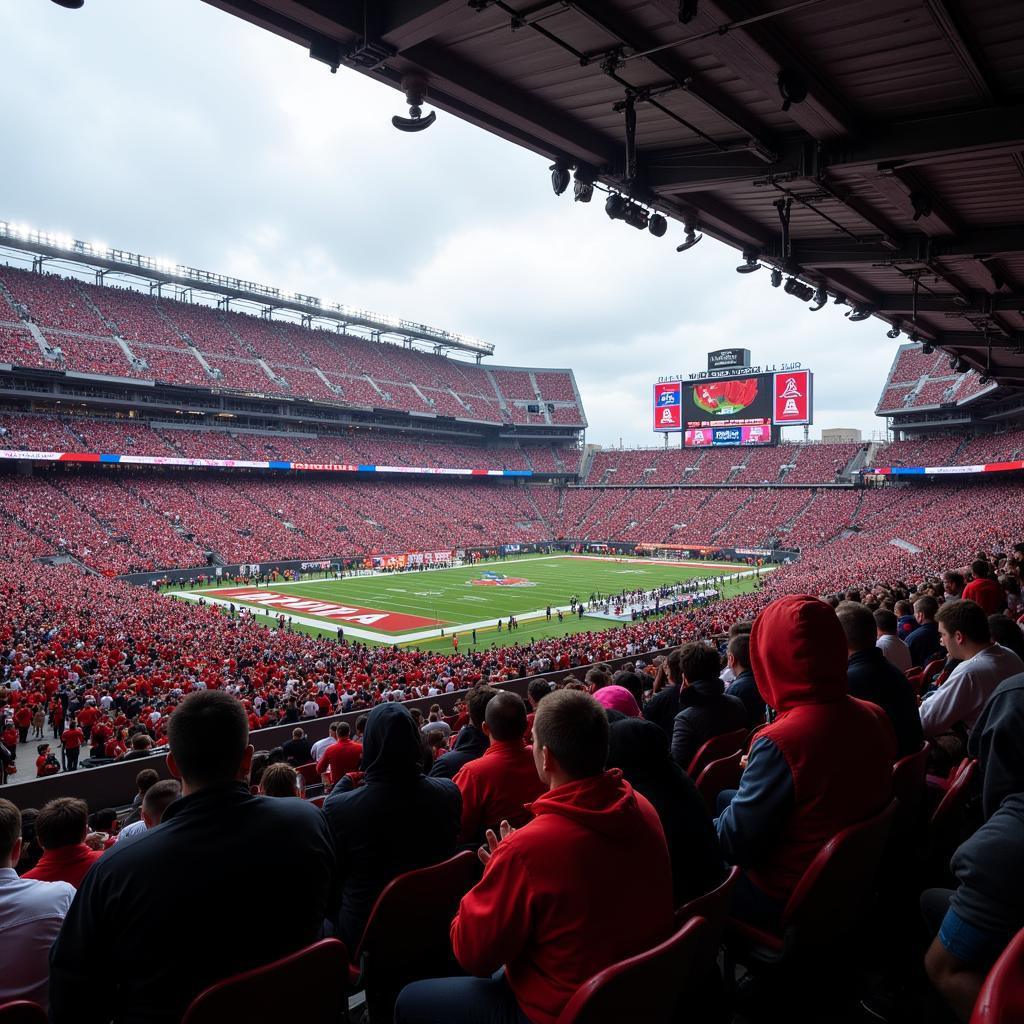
499 579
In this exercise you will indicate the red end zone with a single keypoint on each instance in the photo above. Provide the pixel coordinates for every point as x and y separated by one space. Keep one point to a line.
392 622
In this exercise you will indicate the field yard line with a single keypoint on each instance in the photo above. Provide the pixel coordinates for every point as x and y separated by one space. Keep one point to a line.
435 632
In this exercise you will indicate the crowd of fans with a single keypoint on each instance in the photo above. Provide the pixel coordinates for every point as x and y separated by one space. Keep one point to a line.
175 339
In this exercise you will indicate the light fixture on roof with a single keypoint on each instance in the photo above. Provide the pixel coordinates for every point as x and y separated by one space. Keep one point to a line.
559 177
984 379
894 330
927 348
859 313
692 238
618 207
792 87
749 264
776 277
804 292
958 364
657 225
839 300
415 88
71 5
820 299
922 203
583 185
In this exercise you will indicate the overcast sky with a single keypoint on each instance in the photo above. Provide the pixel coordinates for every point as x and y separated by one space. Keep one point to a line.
169 128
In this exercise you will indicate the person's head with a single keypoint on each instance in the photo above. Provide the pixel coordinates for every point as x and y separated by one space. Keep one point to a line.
596 678
158 798
570 737
858 624
925 609
618 698
536 692
297 734
43 749
885 622
209 740
952 584
505 717
737 654
698 660
343 730
104 820
62 822
742 626
963 628
142 741
393 747
1005 632
10 834
146 778
980 569
260 760
903 608
477 700
634 683
673 667
280 780
361 725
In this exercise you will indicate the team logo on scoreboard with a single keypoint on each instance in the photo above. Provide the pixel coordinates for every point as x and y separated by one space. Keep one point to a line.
499 579
668 402
792 397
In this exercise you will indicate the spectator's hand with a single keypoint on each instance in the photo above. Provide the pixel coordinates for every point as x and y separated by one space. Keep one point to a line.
96 840
485 851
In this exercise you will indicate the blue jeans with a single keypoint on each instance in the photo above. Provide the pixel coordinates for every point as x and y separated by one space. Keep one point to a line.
459 1001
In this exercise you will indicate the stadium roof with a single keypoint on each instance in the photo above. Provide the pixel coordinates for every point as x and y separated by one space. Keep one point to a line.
899 158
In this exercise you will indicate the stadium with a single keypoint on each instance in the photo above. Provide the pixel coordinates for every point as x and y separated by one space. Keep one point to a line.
721 726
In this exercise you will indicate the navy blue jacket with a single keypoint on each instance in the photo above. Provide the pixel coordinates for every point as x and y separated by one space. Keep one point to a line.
744 687
870 676
924 644
471 744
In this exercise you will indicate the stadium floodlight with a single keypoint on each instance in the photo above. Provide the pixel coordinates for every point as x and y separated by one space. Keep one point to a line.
71 5
618 207
657 225
894 330
749 264
776 277
692 238
583 184
859 313
559 178
63 240
820 299
21 230
99 248
927 348
796 288
958 364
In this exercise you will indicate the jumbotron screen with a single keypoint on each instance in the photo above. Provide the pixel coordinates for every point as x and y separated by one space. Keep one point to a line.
739 409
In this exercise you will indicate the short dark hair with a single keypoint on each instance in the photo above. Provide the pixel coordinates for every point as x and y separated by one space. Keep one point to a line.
699 660
280 780
903 607
927 606
10 827
1006 633
297 733
477 700
208 733
673 666
886 621
739 648
142 741
62 822
160 796
742 626
858 624
344 730
506 716
574 727
103 820
597 678
954 579
146 778
634 682
965 617
537 690
980 569
361 723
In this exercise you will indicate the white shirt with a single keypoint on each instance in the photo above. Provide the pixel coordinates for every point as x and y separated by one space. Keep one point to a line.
309 709
31 914
896 651
132 832
320 746
962 697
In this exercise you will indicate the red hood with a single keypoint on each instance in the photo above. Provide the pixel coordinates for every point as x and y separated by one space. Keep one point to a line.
603 803
798 653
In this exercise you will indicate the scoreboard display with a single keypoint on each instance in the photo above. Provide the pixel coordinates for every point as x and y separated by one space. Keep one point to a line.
738 409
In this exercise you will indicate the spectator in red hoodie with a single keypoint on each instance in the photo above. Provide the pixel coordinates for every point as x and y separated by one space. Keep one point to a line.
984 589
498 785
340 758
61 828
822 763
543 908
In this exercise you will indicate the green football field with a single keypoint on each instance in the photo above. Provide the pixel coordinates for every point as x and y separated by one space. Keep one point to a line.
412 608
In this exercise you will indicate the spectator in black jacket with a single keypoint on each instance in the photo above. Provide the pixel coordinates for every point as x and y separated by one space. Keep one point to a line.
705 709
299 749
663 706
996 741
157 921
639 749
743 685
472 741
870 676
397 820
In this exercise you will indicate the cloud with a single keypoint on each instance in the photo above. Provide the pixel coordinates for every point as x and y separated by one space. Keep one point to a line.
176 130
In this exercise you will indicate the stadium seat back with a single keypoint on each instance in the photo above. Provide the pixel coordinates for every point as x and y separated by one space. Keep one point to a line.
643 988
836 888
310 985
908 787
713 907
946 823
21 1011
407 935
1001 1000
718 775
716 748
307 772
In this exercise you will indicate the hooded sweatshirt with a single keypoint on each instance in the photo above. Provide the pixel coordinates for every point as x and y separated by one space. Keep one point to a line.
824 763
996 741
397 821
583 885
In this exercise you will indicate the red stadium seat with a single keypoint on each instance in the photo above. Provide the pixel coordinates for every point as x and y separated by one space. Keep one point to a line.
1001 1000
318 801
310 985
309 774
714 907
828 901
718 775
908 786
407 935
717 747
643 988
21 1011
946 824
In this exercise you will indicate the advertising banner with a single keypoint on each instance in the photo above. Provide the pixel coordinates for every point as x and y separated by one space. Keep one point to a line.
668 406
792 397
